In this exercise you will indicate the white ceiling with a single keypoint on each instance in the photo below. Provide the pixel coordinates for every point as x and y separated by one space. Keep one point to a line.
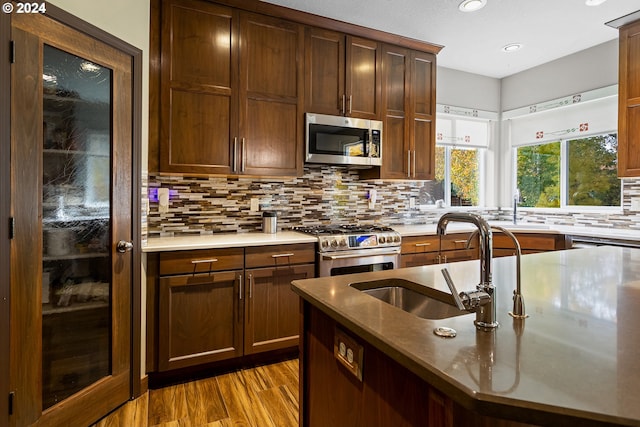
548 29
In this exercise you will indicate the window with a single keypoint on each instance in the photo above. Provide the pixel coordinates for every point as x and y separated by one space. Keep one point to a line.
572 172
460 148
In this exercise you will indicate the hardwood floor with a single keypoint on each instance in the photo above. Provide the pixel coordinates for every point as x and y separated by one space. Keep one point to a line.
264 396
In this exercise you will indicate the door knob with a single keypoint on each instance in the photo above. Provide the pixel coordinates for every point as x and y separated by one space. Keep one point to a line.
124 246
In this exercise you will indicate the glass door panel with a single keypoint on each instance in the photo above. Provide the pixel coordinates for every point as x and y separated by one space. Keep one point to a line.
76 224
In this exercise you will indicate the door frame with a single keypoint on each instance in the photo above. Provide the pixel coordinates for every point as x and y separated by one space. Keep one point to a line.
138 385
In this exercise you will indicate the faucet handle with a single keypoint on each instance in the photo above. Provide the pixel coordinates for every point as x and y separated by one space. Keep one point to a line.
452 288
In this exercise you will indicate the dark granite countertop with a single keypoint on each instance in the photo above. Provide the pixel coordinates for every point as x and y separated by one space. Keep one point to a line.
577 355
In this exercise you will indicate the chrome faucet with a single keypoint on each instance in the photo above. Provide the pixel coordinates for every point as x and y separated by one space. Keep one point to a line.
482 300
518 300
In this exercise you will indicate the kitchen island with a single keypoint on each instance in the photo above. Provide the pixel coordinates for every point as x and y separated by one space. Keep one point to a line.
574 361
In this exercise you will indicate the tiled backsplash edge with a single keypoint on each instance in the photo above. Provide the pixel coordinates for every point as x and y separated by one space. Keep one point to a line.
323 195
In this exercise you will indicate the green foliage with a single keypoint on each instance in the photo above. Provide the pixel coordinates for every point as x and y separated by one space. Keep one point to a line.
465 176
539 175
593 178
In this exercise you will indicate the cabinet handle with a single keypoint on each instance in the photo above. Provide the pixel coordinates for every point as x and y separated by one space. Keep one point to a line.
243 157
414 163
423 244
240 282
250 276
343 109
350 103
204 261
408 163
235 154
460 241
282 255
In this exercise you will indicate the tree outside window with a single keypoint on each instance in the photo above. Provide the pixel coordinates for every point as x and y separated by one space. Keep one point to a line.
590 178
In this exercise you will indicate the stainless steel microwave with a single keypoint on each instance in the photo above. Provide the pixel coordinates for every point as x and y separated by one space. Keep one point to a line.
342 140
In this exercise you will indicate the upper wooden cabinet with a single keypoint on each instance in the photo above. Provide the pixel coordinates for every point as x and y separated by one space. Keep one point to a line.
629 101
408 112
231 91
342 74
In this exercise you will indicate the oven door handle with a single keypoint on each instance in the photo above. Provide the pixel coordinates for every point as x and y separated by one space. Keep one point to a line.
359 255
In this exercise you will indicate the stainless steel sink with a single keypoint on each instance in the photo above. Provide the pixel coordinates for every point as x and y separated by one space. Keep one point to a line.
413 298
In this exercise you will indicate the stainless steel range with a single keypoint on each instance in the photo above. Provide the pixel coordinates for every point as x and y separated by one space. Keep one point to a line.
345 249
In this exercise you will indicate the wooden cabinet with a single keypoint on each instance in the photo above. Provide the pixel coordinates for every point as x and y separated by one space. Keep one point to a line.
408 112
342 74
272 309
388 394
629 101
219 304
231 91
530 243
425 250
200 311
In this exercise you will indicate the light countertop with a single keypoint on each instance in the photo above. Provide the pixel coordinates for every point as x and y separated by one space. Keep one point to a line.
228 240
577 354
225 240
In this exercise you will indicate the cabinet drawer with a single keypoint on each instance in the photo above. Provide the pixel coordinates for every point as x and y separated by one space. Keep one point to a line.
431 243
201 261
528 241
270 256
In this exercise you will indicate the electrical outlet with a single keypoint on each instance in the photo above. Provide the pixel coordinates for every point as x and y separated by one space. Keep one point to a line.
635 204
412 202
255 204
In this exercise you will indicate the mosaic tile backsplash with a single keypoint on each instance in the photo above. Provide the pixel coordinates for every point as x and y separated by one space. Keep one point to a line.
323 195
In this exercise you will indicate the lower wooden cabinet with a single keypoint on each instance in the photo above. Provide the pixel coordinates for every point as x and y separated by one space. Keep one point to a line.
530 243
211 305
426 250
272 308
200 319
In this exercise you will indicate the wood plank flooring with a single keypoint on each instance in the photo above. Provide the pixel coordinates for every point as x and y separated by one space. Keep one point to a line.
264 396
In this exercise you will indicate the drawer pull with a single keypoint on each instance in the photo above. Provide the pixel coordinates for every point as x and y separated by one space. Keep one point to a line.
203 261
460 241
282 255
423 244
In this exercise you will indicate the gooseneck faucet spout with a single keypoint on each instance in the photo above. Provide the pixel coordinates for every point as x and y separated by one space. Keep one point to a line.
482 301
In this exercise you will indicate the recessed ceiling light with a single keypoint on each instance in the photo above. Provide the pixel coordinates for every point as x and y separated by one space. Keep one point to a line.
594 2
512 47
472 5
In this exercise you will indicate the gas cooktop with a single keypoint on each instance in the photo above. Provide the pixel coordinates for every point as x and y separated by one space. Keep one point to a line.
317 230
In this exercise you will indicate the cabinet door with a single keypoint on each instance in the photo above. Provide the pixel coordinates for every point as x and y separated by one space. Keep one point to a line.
422 108
198 88
270 138
363 78
272 315
200 319
629 102
396 144
324 72
72 200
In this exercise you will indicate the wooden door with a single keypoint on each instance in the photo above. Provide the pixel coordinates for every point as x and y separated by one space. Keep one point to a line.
271 86
199 79
422 108
272 315
200 319
629 102
324 72
71 192
363 78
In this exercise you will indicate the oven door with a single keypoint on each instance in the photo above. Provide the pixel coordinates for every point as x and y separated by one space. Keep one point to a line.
358 261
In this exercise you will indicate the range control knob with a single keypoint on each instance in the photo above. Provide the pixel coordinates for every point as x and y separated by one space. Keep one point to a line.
382 239
324 244
334 243
343 242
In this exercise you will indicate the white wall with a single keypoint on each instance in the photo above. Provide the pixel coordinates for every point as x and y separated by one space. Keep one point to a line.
462 89
589 69
130 21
